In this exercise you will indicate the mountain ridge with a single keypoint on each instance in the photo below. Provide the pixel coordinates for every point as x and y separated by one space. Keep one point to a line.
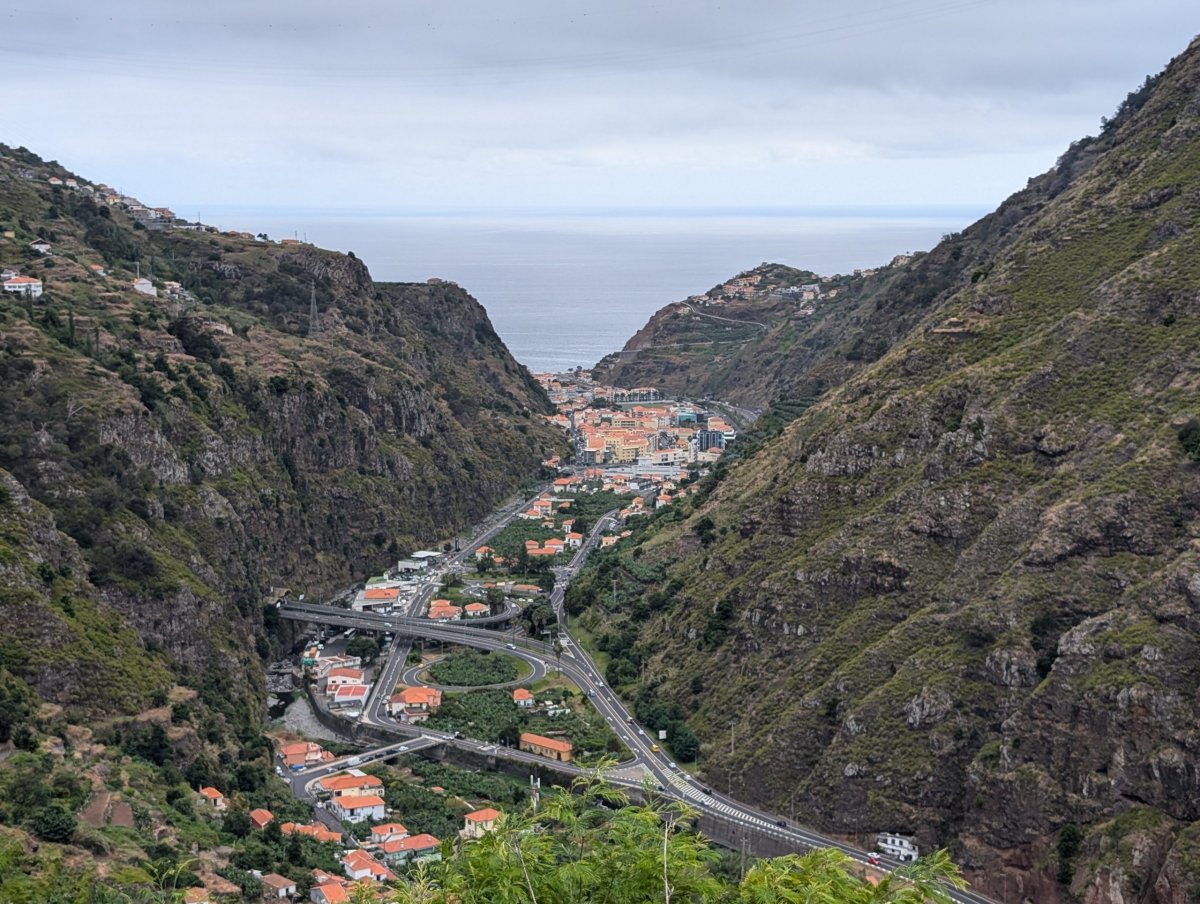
957 595
196 447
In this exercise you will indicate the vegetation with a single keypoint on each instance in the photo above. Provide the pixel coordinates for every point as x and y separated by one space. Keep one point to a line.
492 716
593 846
474 668
968 514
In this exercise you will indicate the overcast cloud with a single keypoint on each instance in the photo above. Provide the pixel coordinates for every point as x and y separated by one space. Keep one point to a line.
416 106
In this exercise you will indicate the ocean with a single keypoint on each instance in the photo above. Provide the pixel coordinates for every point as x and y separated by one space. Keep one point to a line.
563 290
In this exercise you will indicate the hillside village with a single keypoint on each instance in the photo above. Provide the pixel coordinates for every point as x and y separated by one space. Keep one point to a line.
31 262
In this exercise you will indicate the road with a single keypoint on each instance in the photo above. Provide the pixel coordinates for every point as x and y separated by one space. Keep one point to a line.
644 762
390 671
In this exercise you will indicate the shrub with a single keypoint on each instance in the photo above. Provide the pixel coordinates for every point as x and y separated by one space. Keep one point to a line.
53 823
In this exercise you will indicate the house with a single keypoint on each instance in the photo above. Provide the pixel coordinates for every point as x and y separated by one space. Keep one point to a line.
551 748
483 552
24 285
313 830
303 754
479 823
277 886
555 544
41 246
414 704
523 697
350 695
476 610
358 807
213 798
143 286
358 864
444 610
260 818
329 892
98 269
418 847
574 540
54 180
353 782
340 677
902 847
327 664
389 831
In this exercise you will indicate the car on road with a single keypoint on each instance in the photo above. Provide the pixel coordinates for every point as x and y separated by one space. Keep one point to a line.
781 822
511 646
629 719
654 748
706 790
873 859
354 761
671 765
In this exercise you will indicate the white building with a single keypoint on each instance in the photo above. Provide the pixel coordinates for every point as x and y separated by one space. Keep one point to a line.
901 847
24 285
143 286
357 808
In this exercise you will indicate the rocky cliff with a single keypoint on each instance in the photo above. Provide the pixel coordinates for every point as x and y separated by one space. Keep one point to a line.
959 596
167 460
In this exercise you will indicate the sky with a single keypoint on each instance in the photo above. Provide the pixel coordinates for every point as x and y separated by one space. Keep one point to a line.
462 105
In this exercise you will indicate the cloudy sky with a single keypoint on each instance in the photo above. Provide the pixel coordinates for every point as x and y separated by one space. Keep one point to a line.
468 105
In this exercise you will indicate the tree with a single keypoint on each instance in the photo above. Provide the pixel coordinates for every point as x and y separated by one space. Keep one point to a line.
17 703
365 648
495 600
485 564
683 742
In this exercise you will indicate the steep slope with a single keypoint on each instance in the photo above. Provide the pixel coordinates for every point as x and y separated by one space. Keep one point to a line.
177 456
960 594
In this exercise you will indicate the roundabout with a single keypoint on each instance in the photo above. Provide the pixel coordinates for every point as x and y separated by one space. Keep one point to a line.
534 670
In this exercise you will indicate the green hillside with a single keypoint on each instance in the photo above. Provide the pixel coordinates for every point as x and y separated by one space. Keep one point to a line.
959 595
167 460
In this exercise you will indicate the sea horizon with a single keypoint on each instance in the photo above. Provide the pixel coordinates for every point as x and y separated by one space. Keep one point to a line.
563 288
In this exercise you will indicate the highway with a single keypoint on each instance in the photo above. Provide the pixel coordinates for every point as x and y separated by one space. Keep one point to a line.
574 662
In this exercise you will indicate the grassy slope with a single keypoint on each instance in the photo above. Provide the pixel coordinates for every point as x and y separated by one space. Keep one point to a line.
958 595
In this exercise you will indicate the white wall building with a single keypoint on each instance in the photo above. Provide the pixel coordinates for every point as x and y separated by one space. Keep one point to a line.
902 847
24 285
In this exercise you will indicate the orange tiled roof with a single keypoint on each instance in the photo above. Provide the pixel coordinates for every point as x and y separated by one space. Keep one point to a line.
548 743
487 814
